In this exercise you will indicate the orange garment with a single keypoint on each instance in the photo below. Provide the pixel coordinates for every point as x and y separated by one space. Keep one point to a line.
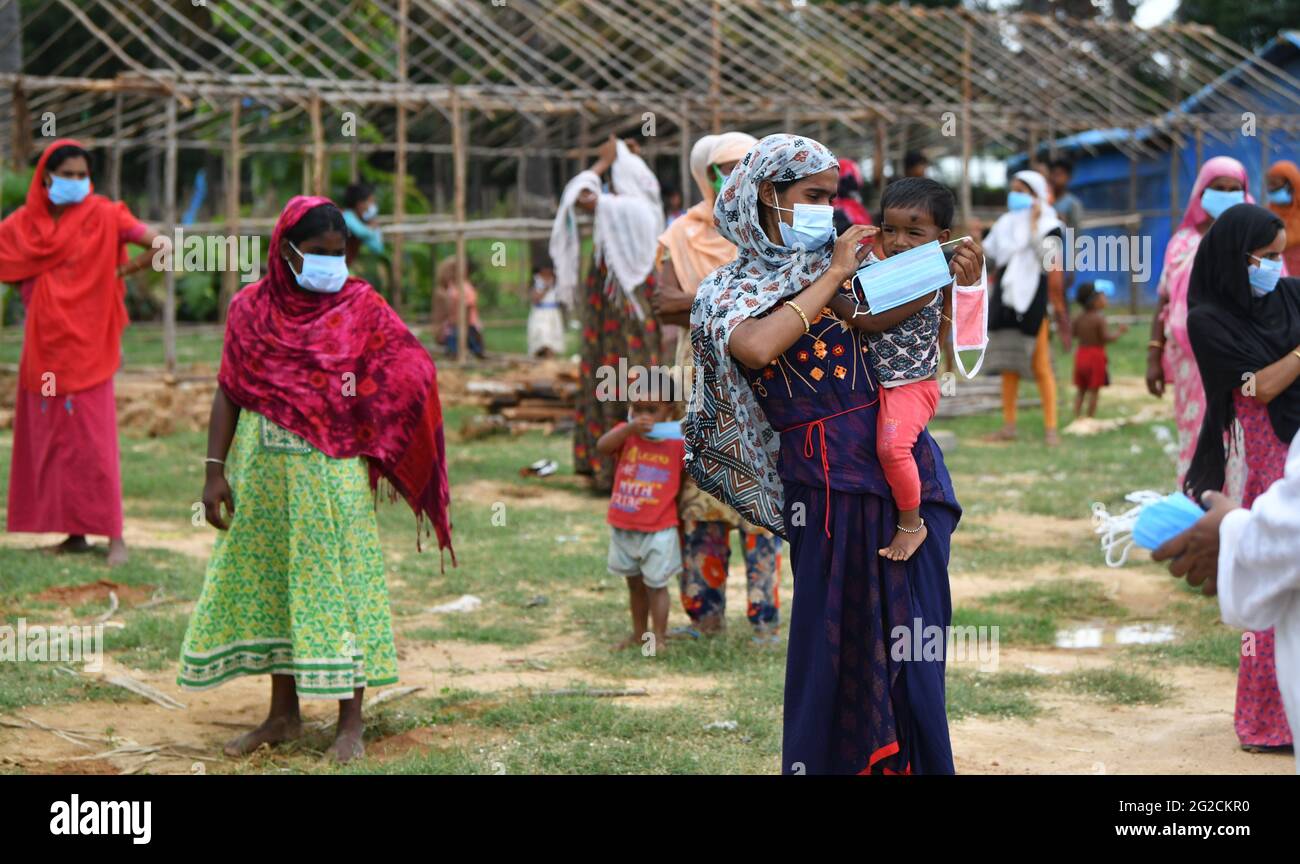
76 308
695 247
1289 213
1042 363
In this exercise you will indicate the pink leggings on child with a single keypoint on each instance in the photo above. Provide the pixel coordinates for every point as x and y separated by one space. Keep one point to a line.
904 412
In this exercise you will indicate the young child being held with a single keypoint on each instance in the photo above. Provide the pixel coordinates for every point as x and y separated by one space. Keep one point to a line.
644 545
1092 334
904 343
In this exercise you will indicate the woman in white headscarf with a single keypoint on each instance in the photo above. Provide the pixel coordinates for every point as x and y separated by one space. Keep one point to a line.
1018 310
690 250
617 319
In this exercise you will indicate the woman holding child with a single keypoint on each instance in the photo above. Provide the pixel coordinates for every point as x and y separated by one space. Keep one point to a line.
782 426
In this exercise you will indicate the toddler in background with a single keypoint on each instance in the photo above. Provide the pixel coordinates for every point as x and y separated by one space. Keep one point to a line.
645 546
1092 335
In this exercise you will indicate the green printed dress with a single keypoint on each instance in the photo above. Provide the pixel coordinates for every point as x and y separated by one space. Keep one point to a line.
296 585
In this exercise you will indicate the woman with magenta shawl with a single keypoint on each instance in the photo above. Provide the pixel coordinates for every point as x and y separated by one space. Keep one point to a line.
323 392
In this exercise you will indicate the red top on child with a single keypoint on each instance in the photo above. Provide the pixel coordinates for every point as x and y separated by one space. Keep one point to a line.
646 482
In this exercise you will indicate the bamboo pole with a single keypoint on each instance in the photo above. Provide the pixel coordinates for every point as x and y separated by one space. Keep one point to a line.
318 158
1134 297
684 157
399 173
115 154
462 259
230 278
965 123
22 131
1262 194
715 67
170 168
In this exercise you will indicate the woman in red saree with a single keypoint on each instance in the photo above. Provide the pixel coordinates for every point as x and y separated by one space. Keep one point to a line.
65 248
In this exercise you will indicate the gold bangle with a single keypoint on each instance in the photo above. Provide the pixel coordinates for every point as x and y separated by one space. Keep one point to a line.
1156 343
795 306
1296 352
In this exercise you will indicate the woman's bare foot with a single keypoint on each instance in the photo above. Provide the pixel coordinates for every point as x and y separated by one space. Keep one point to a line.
276 730
117 554
347 746
1006 433
904 544
625 643
1052 438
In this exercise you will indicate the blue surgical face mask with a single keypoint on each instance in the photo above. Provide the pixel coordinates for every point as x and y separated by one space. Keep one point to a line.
1019 201
813 228
323 274
1215 201
1165 519
1264 275
64 190
370 212
1280 196
667 430
904 277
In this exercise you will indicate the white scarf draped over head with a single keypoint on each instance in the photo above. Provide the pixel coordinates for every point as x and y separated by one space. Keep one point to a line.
1010 244
628 223
731 448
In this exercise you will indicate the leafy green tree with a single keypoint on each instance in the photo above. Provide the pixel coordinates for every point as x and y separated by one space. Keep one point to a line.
1251 24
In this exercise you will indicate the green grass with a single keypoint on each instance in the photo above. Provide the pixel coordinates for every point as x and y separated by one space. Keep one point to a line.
556 549
1120 686
1002 694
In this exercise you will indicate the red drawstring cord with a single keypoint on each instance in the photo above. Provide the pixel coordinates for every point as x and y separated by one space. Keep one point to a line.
820 427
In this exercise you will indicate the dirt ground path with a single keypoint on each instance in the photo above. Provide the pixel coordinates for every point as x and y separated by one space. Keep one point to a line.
1190 733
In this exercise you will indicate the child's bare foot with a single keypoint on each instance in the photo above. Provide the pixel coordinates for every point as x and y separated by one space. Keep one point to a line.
1006 433
275 730
904 544
347 746
1051 438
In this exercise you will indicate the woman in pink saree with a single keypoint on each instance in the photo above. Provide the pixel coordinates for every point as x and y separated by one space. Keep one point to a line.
1221 182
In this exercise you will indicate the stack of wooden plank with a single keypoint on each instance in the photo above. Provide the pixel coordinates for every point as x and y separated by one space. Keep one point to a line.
534 396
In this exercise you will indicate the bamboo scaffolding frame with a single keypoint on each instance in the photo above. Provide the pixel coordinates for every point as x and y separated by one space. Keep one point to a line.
479 83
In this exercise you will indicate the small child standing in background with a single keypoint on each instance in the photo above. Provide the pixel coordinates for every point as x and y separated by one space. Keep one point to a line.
645 546
1092 334
545 321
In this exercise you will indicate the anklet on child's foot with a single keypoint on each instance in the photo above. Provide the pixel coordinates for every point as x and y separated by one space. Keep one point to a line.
916 530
